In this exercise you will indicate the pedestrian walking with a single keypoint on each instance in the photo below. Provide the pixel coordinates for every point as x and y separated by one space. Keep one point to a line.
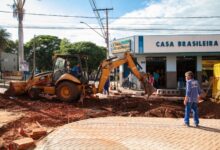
191 98
106 87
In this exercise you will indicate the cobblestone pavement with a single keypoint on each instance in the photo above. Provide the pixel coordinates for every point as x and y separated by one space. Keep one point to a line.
134 133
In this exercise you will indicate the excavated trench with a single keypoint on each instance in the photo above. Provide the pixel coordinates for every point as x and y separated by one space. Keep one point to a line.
53 113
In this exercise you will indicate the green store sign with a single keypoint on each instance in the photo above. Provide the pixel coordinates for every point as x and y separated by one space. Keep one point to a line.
121 46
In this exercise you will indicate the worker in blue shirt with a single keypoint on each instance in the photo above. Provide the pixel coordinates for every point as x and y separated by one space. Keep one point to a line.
106 87
76 71
191 98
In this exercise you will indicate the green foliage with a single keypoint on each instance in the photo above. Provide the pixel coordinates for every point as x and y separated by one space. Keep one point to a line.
12 47
95 53
18 9
4 38
65 45
45 45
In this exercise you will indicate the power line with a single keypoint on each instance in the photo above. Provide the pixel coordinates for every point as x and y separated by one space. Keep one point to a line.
166 24
186 17
118 29
157 29
93 5
52 15
113 18
107 28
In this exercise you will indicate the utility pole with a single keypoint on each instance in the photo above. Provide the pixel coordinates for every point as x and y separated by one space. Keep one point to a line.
107 32
34 56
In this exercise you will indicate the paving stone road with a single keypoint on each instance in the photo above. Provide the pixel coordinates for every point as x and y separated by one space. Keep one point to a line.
122 133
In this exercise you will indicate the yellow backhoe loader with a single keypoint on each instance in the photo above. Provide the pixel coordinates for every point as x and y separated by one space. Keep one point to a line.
66 86
109 64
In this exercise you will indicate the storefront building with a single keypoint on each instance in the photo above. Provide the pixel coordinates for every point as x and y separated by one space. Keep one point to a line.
171 56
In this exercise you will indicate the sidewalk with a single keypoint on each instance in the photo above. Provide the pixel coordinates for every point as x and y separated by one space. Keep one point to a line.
134 133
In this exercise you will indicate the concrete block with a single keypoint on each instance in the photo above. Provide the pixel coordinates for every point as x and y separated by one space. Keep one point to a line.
22 144
107 109
168 92
23 132
139 93
38 133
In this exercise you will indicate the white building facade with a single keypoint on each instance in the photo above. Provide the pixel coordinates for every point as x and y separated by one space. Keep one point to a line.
9 62
171 56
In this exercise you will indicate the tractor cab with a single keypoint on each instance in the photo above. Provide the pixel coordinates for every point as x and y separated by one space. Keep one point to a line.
75 65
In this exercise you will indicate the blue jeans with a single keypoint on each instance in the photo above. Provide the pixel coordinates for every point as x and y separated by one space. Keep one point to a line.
194 107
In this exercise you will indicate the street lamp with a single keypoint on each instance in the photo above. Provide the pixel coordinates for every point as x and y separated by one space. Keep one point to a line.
34 55
93 29
104 37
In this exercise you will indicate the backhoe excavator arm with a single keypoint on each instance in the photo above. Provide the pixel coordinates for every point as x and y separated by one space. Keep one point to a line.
109 64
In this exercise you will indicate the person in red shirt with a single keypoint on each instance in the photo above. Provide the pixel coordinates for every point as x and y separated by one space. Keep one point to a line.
151 79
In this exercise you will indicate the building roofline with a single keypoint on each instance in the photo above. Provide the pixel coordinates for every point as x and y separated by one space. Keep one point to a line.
122 38
164 35
179 54
178 35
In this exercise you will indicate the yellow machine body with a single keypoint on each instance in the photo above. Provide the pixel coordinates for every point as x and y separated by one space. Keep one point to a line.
66 86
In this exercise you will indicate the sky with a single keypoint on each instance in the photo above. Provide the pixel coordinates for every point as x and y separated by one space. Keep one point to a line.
128 18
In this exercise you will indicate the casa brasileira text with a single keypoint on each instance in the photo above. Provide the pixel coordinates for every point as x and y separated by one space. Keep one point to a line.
186 43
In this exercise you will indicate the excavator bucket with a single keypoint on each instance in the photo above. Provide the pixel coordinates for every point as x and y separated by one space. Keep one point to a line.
149 89
16 88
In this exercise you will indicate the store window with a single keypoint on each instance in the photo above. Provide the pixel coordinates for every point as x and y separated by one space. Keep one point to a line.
184 64
157 67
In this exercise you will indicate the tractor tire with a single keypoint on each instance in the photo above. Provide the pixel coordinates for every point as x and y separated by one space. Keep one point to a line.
67 92
34 93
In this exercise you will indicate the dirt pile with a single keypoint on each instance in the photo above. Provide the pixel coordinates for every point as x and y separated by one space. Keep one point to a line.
209 110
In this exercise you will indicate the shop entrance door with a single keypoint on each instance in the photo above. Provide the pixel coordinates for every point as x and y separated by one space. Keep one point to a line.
157 65
184 64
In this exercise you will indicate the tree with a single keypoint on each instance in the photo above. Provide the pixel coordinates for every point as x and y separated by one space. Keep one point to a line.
95 53
4 38
65 45
45 46
12 47
18 12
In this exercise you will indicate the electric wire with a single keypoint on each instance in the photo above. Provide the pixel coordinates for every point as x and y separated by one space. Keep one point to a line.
118 29
93 4
94 8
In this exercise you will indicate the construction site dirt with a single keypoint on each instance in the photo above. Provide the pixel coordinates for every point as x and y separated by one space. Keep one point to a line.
51 114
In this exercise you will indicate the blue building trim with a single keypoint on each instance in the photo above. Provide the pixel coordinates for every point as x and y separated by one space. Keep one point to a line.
140 44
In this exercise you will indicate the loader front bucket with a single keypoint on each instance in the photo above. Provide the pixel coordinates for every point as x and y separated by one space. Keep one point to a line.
16 88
